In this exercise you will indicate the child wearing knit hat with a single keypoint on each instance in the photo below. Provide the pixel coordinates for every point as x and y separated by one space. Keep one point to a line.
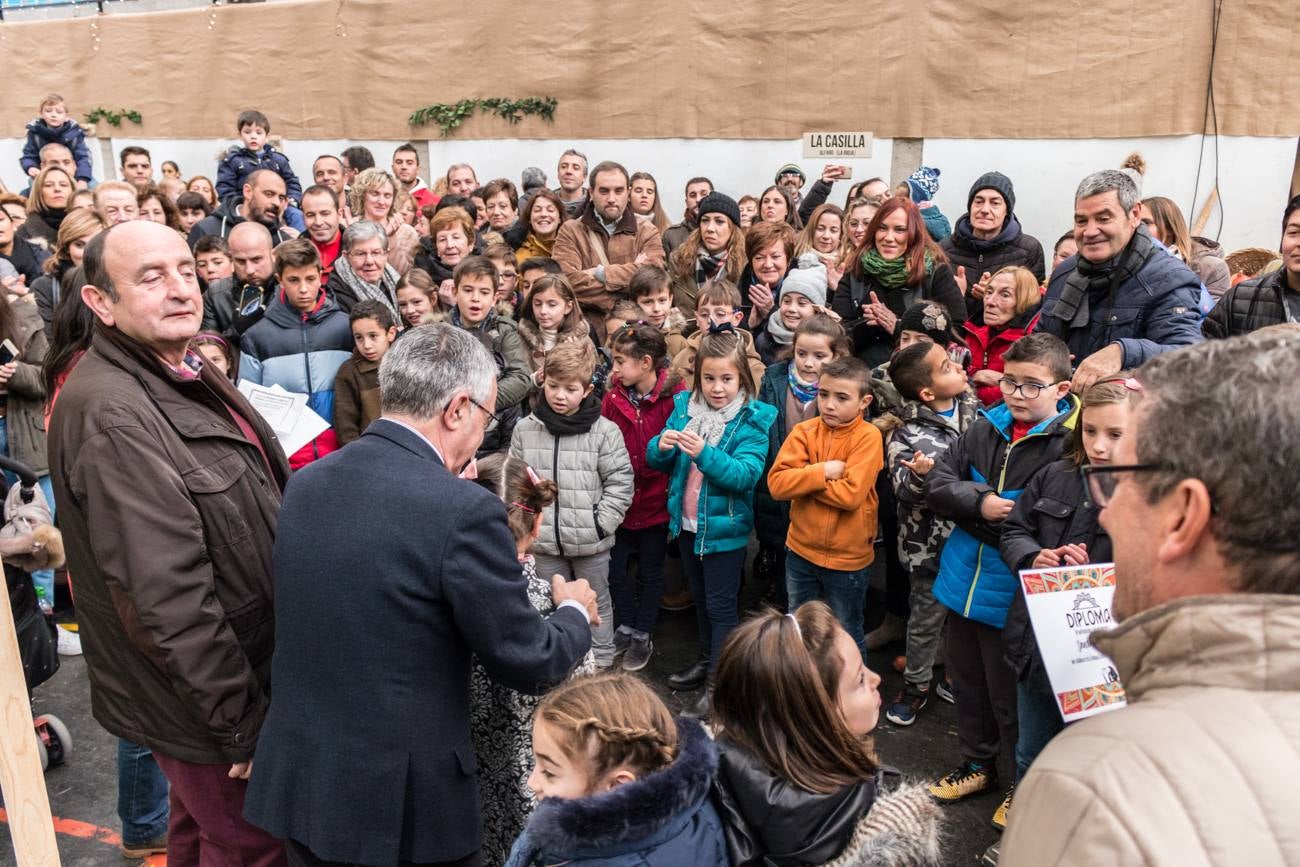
802 293
921 186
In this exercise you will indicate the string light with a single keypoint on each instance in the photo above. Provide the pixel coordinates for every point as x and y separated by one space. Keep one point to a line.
94 32
212 15
340 29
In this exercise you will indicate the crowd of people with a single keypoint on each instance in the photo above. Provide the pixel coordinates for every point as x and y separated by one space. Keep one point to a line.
535 399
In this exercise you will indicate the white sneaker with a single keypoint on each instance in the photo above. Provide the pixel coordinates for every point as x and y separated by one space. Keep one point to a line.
69 642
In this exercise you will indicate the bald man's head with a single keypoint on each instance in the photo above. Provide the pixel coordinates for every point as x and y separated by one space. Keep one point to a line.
250 253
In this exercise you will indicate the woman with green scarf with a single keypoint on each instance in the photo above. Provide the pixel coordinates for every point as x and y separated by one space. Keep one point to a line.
897 265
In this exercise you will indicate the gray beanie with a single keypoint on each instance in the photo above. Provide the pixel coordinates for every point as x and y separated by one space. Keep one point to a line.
997 182
807 278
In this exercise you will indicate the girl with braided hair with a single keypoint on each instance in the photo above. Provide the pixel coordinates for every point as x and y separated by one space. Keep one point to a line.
621 781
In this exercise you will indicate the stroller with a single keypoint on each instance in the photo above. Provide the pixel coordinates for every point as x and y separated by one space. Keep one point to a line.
29 541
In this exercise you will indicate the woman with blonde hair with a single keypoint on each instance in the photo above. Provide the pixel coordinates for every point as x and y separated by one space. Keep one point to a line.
75 232
374 198
47 203
1012 303
823 234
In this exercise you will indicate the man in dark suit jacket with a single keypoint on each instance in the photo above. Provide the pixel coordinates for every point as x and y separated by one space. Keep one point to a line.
389 573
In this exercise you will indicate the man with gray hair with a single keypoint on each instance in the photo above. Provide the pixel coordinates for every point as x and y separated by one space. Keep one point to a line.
391 573
1200 505
1123 299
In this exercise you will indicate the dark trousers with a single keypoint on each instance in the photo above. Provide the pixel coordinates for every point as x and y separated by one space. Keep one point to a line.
985 688
636 597
207 826
1039 719
715 584
141 795
898 588
301 856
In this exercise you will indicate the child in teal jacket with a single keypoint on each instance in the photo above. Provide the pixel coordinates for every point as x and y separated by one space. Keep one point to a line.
713 449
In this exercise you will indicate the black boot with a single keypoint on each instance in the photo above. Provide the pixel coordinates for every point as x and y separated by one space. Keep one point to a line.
690 678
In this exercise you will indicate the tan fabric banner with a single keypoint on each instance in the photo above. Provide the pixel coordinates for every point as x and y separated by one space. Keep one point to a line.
674 68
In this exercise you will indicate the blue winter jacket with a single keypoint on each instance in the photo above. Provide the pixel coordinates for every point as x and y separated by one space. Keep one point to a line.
664 819
300 352
239 162
973 581
731 469
70 135
1156 310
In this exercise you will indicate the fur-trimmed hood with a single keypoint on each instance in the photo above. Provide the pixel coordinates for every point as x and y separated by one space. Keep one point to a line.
665 818
902 829
675 323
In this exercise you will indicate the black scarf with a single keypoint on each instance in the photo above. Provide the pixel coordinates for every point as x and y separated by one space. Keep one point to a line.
1094 283
707 265
569 425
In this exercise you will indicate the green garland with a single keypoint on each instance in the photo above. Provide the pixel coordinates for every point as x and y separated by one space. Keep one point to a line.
448 117
113 117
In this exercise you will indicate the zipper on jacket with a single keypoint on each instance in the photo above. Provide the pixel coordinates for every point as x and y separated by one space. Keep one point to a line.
555 474
306 363
979 552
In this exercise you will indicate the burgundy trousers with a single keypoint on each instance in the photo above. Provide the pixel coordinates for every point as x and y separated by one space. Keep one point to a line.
207 826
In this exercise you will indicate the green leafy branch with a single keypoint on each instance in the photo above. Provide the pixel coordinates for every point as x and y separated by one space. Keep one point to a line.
449 116
114 118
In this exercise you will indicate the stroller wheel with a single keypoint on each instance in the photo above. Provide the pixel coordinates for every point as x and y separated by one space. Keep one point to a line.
54 738
42 752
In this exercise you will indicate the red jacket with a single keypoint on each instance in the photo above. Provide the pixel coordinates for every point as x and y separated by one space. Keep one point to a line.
639 426
986 351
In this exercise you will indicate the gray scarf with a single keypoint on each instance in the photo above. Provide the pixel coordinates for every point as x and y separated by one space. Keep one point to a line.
385 292
708 422
1094 282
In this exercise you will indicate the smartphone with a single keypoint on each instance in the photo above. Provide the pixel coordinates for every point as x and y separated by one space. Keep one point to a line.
8 352
846 173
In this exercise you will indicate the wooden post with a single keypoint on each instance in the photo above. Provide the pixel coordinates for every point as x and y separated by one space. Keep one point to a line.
21 777
1207 210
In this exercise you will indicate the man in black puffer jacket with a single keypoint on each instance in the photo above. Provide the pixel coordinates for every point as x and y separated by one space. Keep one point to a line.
1266 300
988 238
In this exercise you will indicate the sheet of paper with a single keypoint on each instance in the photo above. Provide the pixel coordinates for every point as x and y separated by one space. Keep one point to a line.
294 422
1065 606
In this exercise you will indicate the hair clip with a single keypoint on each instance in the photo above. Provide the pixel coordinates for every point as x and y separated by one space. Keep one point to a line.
1129 383
529 509
721 328
533 478
797 630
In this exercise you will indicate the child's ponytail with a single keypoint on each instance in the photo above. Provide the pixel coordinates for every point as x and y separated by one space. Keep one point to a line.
608 720
520 488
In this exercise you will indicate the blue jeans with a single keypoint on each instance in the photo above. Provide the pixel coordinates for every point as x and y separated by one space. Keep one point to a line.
715 584
845 592
636 597
42 579
141 795
1040 721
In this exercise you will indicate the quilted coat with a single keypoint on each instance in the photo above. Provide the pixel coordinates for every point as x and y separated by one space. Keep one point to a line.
1199 769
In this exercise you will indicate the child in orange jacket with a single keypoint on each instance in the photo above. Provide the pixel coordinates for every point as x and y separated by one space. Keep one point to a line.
827 468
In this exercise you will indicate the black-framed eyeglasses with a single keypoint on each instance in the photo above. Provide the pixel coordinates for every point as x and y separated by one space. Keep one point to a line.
491 416
1028 390
1101 480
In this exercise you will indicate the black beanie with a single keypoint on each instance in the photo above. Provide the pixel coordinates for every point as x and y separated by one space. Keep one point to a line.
720 203
929 318
994 181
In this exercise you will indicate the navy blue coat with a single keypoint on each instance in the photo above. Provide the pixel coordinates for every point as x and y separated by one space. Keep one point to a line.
390 572
70 135
1156 310
239 162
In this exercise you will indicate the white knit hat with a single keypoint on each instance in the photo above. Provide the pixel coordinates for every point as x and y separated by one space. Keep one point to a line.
808 278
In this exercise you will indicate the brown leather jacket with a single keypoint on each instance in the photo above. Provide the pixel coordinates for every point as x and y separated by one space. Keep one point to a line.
168 515
575 252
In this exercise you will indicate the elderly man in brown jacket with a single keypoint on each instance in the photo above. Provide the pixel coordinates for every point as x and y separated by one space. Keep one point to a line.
601 250
168 485
1200 769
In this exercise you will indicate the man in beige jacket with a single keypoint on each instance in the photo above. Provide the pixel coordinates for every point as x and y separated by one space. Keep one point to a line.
601 250
1201 505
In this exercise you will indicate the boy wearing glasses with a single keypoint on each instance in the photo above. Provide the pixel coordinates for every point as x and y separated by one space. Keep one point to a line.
976 484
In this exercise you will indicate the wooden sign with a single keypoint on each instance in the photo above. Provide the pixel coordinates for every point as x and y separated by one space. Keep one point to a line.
837 145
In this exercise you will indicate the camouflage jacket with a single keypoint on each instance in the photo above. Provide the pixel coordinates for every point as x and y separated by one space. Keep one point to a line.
921 533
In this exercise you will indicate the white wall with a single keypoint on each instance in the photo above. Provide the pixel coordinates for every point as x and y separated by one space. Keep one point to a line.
1254 173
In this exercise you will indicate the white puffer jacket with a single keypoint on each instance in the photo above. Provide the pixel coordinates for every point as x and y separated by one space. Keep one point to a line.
1200 769
594 474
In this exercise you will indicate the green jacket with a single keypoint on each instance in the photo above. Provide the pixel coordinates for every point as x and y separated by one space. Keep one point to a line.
731 469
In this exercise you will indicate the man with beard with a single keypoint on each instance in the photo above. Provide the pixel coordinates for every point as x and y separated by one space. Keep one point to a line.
601 250
320 210
230 306
406 168
263 202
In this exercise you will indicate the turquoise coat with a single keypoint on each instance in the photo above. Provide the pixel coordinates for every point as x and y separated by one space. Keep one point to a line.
731 469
